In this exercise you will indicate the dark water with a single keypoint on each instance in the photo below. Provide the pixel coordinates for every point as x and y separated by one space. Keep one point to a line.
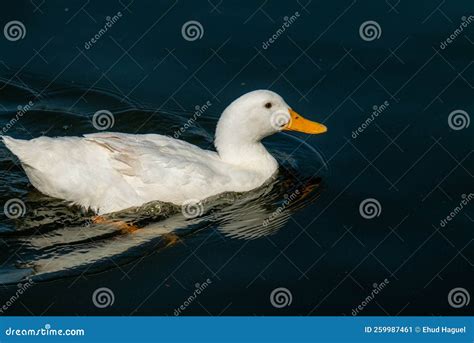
319 247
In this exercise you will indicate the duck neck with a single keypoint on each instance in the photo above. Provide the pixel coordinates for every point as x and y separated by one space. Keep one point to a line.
240 150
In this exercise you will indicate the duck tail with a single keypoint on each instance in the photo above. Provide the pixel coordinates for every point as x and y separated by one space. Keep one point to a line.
16 146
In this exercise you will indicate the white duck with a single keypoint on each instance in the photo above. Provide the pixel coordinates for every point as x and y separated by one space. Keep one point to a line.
108 172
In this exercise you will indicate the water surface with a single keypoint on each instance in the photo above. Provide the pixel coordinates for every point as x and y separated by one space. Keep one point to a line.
319 247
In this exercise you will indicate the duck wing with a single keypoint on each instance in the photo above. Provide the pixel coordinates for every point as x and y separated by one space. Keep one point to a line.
163 168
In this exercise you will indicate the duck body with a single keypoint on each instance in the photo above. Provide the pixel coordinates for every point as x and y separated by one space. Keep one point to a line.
110 171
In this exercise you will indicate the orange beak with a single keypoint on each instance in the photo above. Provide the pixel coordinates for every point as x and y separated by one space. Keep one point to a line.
300 124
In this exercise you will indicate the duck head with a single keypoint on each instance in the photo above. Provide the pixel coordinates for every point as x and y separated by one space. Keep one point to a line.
261 113
252 117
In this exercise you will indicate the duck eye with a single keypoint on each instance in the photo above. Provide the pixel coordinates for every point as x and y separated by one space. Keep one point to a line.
268 105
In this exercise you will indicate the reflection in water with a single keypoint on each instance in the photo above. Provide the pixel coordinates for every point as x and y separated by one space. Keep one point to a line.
54 240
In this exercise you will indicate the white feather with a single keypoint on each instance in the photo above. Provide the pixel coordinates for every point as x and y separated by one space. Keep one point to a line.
111 171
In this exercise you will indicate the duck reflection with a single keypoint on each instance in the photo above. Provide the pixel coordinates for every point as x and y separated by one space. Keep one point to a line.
58 242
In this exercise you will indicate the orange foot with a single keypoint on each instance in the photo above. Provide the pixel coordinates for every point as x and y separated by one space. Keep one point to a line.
98 220
307 189
120 224
171 239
